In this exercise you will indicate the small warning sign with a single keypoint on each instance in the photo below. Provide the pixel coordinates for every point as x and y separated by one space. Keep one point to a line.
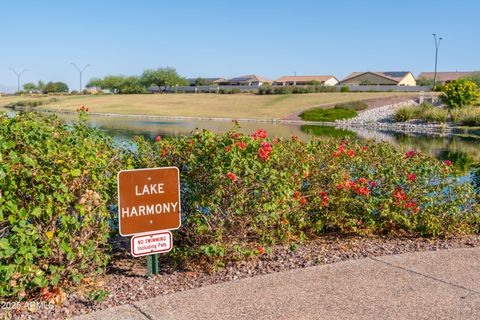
146 244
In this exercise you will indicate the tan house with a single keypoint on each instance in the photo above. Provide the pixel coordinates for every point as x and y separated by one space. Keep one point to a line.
246 80
304 80
385 78
446 77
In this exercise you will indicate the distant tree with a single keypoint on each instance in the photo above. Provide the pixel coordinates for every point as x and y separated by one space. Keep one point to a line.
118 84
30 86
41 86
56 87
163 78
313 83
202 82
425 82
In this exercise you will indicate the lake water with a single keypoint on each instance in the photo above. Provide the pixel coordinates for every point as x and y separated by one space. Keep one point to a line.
463 150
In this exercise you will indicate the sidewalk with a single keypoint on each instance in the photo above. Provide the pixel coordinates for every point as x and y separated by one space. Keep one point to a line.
427 285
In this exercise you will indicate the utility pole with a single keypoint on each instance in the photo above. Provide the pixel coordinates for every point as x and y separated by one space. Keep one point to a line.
80 71
18 77
437 45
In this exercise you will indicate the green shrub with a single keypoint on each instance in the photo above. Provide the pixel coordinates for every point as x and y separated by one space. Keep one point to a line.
437 115
283 90
460 93
345 89
468 116
31 103
354 105
327 115
240 192
55 184
407 113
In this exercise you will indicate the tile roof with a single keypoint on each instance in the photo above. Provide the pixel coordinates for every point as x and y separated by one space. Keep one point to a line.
446 76
396 76
253 77
304 78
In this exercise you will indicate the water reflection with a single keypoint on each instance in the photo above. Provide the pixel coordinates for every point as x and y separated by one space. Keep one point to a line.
463 150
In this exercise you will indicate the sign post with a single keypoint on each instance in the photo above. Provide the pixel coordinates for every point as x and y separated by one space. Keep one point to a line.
148 206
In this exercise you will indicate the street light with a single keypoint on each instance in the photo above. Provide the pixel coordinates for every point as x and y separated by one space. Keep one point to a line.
18 77
437 44
80 71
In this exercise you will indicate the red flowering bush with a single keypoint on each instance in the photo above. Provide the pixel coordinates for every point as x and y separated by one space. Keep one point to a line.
242 191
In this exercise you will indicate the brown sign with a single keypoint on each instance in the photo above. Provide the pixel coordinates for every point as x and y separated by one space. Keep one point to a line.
148 200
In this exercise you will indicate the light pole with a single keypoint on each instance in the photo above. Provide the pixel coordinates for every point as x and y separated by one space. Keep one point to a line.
437 44
80 71
18 77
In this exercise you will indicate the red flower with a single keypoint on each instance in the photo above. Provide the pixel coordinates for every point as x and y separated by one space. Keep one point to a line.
264 150
363 191
191 142
158 138
260 134
267 146
373 184
364 148
339 186
410 153
351 153
362 180
399 195
275 141
228 149
303 200
260 250
411 177
284 221
232 176
294 137
448 163
411 204
235 135
242 145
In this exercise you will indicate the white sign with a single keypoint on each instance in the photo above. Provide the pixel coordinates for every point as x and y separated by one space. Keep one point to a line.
152 243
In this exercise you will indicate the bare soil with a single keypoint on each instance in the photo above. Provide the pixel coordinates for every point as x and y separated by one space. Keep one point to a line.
126 279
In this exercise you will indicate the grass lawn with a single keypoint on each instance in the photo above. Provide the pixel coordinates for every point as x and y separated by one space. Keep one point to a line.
206 105
328 115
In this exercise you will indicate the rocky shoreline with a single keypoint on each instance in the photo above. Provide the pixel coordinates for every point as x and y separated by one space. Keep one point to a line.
382 119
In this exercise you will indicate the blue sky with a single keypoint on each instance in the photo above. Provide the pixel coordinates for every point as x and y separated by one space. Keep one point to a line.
228 38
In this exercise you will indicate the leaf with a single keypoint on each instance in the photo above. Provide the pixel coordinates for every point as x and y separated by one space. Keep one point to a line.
76 172
29 161
36 212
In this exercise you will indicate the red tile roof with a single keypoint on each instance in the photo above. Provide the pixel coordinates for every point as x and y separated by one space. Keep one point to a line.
446 76
304 78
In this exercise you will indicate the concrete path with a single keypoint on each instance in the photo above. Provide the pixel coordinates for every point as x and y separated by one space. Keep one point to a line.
428 285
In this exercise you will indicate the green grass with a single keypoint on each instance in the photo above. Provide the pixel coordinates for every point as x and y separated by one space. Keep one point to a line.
327 115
